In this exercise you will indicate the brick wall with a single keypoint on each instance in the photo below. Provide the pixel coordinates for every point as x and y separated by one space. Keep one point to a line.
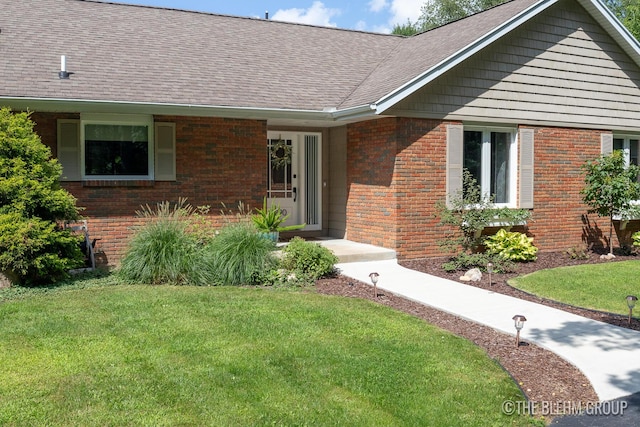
371 199
217 161
560 219
397 172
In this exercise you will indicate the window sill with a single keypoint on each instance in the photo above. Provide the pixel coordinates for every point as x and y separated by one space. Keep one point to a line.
118 183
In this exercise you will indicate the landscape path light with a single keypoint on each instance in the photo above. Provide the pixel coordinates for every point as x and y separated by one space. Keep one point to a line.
631 302
518 320
374 279
490 270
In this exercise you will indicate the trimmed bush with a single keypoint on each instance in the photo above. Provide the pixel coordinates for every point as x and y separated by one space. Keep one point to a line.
307 259
512 246
34 249
239 255
36 252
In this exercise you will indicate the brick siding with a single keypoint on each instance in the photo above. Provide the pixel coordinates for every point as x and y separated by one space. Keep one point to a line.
397 175
217 161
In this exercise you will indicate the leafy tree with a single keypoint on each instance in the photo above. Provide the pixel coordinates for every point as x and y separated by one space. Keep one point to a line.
407 29
440 12
436 13
611 186
628 12
33 247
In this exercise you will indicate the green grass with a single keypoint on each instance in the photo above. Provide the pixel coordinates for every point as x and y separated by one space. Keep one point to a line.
96 355
595 286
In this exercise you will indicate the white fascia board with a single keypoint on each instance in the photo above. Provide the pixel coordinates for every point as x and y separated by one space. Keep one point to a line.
445 65
120 107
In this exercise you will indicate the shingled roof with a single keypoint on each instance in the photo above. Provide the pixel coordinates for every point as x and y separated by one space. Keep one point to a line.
149 55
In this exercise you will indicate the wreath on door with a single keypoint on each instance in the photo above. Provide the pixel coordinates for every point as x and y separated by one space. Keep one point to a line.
281 153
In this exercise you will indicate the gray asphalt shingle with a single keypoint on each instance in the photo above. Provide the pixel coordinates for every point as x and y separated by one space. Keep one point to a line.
141 54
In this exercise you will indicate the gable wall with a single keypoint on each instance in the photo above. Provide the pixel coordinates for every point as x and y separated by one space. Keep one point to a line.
559 68
217 161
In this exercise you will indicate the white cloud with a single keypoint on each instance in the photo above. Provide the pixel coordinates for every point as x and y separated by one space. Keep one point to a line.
317 14
361 26
377 5
403 10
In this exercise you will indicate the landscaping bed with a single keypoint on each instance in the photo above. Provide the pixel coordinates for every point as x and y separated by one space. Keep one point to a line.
541 374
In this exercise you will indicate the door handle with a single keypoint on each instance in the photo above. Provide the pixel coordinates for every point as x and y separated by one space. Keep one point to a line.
295 194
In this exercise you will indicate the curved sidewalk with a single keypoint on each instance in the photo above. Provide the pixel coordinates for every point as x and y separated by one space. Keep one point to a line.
608 355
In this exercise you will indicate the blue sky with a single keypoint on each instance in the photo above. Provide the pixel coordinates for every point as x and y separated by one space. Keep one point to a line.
366 15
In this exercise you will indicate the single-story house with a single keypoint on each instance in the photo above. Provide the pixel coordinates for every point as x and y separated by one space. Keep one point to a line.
358 135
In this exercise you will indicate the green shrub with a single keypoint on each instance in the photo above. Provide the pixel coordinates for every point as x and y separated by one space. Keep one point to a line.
34 251
636 239
308 260
465 261
470 211
34 248
239 255
161 252
512 245
164 251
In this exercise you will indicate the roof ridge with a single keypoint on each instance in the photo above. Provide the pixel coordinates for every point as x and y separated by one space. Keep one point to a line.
224 15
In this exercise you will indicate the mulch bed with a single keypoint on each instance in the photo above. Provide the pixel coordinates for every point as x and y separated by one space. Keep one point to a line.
541 374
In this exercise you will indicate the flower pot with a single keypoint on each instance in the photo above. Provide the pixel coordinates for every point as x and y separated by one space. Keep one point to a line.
271 235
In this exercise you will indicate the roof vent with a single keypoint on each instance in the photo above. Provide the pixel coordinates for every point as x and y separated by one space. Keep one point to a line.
266 14
63 74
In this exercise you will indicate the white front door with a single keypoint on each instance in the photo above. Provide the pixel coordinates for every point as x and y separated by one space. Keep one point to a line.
293 180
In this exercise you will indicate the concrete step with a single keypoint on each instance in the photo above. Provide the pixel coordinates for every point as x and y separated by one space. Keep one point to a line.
348 251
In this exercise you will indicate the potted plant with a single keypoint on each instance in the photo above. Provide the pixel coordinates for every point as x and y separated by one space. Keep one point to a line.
269 220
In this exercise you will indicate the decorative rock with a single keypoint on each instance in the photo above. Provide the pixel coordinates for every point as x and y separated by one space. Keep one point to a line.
608 256
473 275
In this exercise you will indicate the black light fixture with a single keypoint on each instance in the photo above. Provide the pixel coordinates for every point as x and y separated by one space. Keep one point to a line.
518 320
374 279
631 302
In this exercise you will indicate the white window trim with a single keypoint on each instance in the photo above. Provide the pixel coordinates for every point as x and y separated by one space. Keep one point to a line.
486 160
118 119
626 150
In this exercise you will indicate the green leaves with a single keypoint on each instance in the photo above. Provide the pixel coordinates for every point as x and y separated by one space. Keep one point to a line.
610 186
269 219
33 249
471 212
511 245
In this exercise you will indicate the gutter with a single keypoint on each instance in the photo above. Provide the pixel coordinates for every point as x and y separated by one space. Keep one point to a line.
97 106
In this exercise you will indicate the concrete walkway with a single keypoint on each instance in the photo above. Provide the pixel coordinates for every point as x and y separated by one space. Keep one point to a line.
609 356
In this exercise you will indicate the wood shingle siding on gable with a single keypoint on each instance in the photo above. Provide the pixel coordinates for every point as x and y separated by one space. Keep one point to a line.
563 69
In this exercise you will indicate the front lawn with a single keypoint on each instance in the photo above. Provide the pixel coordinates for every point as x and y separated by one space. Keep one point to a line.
142 355
602 286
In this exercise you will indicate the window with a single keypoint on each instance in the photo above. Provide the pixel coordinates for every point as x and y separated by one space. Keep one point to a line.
629 147
117 147
490 156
